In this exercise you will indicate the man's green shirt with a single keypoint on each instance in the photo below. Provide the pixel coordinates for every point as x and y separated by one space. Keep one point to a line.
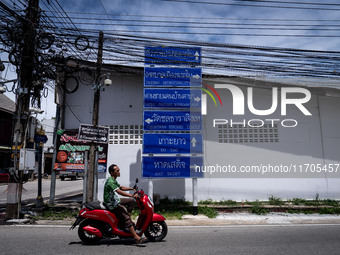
111 198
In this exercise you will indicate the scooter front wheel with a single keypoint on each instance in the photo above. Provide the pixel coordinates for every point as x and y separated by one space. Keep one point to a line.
156 231
86 237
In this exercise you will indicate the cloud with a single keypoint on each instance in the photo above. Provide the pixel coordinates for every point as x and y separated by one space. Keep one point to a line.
153 13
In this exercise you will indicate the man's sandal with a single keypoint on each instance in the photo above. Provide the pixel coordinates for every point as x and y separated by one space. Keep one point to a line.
141 240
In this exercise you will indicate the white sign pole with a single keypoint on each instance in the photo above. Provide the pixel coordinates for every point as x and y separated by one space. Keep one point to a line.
150 193
194 196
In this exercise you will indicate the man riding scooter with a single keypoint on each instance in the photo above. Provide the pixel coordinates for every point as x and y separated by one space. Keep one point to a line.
116 205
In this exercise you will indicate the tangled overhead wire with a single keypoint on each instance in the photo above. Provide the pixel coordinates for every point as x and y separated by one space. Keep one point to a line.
50 47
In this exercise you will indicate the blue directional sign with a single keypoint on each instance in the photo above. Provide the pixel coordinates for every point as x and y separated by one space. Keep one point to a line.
172 120
188 56
168 143
172 77
40 138
172 98
172 167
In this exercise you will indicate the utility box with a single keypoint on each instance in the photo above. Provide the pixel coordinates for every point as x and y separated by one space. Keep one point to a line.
27 159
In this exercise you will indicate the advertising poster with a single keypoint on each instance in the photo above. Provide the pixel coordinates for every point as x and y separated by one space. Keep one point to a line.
71 153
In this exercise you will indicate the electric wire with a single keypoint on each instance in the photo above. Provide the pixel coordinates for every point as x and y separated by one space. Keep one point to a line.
256 5
127 46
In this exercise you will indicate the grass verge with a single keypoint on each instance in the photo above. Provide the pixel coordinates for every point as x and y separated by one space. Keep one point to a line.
176 209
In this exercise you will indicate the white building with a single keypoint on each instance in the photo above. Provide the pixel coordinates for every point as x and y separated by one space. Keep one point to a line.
311 147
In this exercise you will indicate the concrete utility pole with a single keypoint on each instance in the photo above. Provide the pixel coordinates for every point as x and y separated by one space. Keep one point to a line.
25 75
59 100
95 116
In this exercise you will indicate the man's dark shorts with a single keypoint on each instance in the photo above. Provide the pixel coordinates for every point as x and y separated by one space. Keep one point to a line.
123 211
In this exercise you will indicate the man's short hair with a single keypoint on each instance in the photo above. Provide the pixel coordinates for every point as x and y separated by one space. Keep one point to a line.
112 168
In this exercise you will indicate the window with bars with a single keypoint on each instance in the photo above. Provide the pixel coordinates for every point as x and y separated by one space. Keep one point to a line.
126 134
244 134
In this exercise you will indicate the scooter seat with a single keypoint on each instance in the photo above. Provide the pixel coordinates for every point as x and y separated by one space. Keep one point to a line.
95 206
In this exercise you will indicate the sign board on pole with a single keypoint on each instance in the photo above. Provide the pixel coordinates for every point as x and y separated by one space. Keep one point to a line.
172 77
90 133
174 95
168 143
40 138
172 98
71 153
172 167
188 56
172 120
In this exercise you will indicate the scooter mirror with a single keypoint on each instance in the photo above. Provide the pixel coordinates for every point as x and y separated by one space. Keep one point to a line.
136 180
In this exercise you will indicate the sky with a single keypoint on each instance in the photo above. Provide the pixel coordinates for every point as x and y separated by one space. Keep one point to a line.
298 16
214 21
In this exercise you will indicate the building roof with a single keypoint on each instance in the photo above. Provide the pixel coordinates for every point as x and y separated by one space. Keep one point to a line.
6 104
323 86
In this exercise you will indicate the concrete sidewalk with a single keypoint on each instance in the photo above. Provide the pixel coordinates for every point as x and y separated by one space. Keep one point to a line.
225 219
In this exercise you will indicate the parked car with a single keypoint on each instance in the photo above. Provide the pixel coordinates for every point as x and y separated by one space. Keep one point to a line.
70 174
4 175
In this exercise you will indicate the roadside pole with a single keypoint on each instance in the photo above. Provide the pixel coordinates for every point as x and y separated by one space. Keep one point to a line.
95 188
85 176
59 96
12 194
194 197
150 188
53 172
39 201
95 113
25 77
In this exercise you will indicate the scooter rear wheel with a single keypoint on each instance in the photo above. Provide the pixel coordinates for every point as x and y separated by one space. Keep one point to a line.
156 231
86 237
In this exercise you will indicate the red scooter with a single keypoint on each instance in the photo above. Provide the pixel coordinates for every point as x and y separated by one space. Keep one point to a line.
97 222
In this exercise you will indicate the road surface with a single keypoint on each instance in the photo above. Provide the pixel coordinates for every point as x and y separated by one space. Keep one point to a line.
30 190
244 239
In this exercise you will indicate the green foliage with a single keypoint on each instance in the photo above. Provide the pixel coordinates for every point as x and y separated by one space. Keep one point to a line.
175 208
206 202
207 211
51 213
275 200
177 212
252 202
258 209
298 201
227 202
329 210
222 202
330 202
167 201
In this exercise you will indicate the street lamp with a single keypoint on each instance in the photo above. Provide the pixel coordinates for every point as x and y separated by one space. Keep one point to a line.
36 110
107 82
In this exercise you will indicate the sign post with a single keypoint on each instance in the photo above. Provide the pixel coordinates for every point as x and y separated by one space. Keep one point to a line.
90 133
172 98
173 143
172 140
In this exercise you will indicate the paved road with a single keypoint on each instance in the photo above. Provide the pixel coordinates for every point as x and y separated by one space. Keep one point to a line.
30 190
269 239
